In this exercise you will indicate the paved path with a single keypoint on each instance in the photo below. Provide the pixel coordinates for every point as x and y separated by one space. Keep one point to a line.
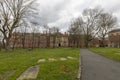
96 67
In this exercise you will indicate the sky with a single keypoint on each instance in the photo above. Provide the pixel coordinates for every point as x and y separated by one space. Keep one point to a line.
59 13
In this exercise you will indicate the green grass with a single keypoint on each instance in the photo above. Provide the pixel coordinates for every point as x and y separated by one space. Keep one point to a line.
112 53
20 59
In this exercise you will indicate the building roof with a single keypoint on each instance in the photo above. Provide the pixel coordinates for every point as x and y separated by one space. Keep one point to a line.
115 30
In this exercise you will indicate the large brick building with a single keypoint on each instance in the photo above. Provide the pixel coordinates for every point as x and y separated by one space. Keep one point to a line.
29 40
39 40
114 38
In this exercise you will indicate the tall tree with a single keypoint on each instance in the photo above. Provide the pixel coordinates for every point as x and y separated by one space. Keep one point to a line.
34 32
106 22
54 32
11 13
91 28
75 32
23 37
48 34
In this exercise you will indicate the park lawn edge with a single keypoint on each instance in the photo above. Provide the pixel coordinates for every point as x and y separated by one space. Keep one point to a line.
109 53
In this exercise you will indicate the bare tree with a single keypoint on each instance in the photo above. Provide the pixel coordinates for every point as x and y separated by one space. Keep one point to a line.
23 36
90 27
39 37
54 32
33 40
11 12
35 31
48 35
22 33
75 32
106 22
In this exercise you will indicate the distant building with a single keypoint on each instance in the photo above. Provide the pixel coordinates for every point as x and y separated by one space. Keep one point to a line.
36 40
114 38
42 40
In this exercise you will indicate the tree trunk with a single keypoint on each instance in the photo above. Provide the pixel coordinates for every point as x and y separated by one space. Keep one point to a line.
23 40
48 40
15 41
7 44
86 43
3 43
102 43
38 41
0 46
23 43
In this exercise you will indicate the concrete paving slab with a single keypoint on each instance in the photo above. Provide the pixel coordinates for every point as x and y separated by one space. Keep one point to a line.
63 59
52 59
30 73
41 60
72 58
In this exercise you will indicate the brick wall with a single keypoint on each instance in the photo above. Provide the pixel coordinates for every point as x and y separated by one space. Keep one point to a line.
29 40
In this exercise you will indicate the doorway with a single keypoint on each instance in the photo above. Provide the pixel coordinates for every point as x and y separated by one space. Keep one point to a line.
59 45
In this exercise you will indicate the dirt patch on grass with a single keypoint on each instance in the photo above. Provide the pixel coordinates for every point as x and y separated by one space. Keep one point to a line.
65 68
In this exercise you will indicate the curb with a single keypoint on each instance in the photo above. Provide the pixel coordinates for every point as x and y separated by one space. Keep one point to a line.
79 71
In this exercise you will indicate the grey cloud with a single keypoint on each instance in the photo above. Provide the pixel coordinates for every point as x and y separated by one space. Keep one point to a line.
61 12
50 12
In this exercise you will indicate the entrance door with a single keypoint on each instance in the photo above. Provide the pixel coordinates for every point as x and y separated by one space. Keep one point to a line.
59 45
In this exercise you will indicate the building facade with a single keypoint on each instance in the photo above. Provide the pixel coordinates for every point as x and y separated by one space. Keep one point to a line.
38 40
114 38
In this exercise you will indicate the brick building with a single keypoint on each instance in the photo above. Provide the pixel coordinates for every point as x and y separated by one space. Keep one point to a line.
114 38
39 40
36 40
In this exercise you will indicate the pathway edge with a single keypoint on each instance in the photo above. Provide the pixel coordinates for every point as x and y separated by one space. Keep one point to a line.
79 71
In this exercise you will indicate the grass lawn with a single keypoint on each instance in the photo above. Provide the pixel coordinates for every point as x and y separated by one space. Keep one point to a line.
21 59
112 53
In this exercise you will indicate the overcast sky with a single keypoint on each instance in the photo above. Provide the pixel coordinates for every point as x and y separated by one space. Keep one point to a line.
61 12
